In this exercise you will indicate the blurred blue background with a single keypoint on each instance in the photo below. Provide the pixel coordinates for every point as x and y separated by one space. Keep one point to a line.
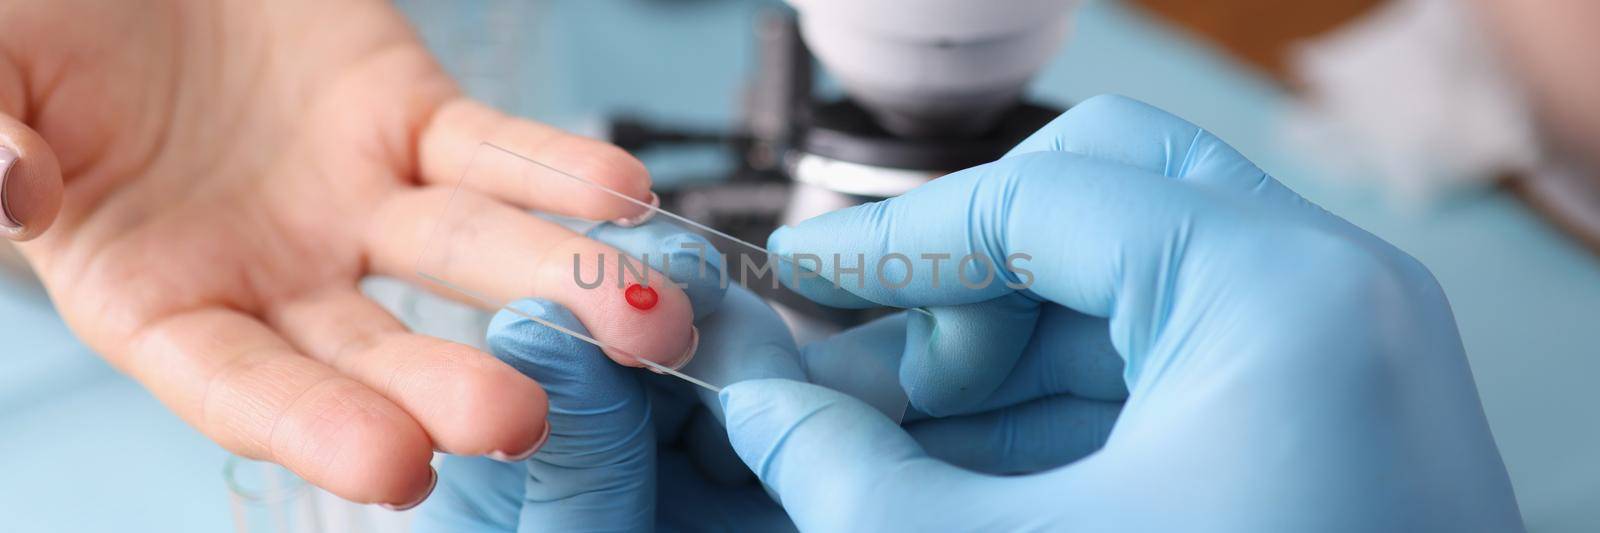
83 448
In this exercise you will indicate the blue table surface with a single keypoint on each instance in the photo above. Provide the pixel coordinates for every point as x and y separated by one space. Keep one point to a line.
83 448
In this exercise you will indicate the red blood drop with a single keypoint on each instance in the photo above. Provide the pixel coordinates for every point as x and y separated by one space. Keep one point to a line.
640 297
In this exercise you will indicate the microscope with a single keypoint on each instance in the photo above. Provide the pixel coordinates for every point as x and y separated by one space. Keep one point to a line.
928 87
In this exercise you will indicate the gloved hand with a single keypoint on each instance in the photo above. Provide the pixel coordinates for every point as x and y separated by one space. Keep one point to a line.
616 433
1286 370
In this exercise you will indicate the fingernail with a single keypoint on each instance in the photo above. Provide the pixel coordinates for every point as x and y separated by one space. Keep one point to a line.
688 354
433 481
628 222
524 455
8 159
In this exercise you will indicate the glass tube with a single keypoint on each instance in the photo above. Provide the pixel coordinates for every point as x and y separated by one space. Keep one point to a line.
267 498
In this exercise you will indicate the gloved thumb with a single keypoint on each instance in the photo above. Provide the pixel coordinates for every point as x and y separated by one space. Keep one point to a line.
837 464
30 181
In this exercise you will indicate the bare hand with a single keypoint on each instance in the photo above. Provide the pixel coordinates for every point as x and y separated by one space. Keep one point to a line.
228 171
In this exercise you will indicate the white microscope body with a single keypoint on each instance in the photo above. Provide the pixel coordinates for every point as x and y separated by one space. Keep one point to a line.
934 68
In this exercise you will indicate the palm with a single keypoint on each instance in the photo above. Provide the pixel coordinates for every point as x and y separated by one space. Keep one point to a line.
219 163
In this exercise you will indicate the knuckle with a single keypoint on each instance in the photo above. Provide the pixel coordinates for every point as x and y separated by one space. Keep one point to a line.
1108 104
1352 267
1346 293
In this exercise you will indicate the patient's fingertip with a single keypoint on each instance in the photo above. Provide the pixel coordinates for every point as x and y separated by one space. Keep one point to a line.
646 213
30 182
388 459
686 258
433 482
491 407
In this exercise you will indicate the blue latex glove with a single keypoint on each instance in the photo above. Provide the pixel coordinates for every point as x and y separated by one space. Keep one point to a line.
617 433
1286 370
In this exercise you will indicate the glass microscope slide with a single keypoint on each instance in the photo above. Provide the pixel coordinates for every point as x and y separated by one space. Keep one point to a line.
505 233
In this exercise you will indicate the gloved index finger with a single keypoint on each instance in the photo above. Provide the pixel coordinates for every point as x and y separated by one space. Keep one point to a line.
1090 234
1124 130
908 251
925 247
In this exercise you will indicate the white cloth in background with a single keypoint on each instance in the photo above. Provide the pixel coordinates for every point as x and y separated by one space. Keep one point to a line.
1414 97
